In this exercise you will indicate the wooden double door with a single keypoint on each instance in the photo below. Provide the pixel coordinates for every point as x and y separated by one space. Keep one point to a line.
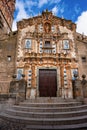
47 82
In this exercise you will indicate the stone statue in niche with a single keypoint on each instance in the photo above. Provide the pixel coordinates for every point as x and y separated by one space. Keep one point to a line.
47 27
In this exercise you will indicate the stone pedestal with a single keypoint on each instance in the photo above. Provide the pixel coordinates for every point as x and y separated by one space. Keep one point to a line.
17 90
78 89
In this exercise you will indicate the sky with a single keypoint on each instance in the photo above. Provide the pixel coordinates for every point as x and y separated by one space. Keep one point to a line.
75 10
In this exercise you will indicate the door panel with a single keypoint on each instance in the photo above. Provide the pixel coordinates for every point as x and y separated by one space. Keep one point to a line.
47 82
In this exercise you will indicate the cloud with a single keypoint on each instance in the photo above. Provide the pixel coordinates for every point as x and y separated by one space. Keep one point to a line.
31 3
62 7
62 10
54 1
77 8
42 2
82 23
21 13
14 25
21 10
55 10
50 2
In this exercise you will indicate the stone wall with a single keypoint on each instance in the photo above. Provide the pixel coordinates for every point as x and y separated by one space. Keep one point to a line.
6 14
7 61
81 45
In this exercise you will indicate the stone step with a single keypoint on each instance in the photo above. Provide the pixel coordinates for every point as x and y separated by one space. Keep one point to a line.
44 121
58 127
61 104
46 114
49 109
45 127
49 100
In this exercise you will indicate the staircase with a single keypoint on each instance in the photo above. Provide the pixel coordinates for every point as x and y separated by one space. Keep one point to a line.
45 114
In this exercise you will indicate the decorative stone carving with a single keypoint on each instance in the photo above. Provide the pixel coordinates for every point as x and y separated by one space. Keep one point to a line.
47 27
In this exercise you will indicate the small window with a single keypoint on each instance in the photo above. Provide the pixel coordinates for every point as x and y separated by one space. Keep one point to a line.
47 44
9 58
66 44
83 59
28 44
78 37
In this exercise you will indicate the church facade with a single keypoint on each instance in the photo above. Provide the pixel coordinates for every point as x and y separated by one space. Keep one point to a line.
48 50
47 55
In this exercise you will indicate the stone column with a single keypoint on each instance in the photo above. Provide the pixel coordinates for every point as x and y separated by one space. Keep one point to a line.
38 47
37 83
61 80
33 76
33 86
69 85
58 83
